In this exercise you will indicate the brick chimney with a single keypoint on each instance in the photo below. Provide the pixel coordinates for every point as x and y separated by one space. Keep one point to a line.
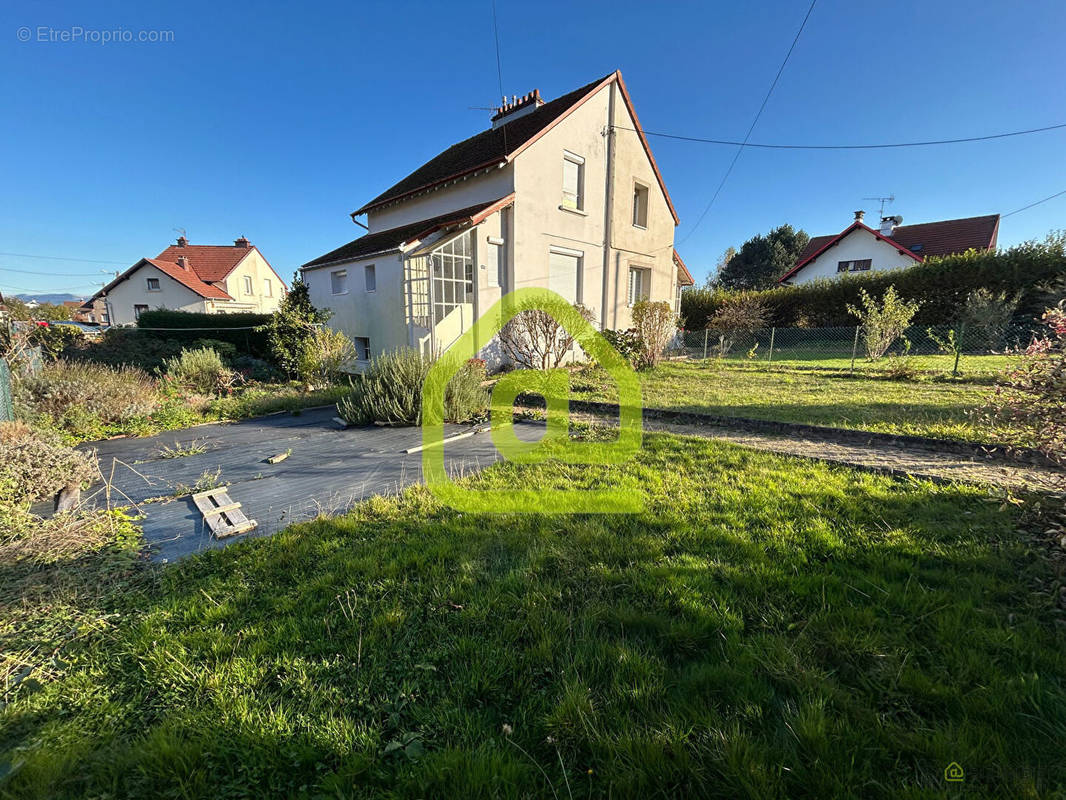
888 224
859 215
182 241
242 242
516 107
183 262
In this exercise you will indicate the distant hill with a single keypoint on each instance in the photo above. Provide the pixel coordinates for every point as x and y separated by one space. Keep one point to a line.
49 298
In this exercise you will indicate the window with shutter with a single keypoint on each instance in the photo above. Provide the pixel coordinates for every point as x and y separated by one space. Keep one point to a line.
564 274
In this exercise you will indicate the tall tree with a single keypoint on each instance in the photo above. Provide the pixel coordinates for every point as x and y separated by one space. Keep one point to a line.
723 262
763 259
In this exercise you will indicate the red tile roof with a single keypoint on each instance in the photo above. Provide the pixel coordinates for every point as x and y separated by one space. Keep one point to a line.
210 262
918 241
384 241
187 278
500 145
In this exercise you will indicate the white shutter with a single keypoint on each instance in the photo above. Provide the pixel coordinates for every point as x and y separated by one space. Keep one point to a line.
562 275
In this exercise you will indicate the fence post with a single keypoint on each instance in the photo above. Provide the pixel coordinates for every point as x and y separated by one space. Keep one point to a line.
706 332
773 331
6 407
958 349
855 347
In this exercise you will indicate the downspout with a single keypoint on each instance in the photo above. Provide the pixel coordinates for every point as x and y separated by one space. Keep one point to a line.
608 197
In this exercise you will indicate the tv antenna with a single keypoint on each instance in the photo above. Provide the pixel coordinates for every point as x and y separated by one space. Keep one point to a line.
882 200
179 230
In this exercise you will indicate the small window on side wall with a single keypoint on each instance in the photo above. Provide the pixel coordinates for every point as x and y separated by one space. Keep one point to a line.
267 290
371 277
153 284
139 309
248 289
362 347
639 284
640 206
338 282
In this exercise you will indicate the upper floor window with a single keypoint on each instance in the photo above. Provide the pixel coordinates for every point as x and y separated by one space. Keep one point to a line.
153 284
371 277
338 281
248 284
640 206
858 265
267 290
573 181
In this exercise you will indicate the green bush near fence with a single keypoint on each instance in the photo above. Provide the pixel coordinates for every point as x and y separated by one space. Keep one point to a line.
186 327
941 283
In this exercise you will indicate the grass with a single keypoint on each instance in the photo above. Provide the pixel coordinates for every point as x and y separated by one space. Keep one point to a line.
973 368
936 408
769 627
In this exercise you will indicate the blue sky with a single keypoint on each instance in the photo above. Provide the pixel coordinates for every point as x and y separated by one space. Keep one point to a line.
275 121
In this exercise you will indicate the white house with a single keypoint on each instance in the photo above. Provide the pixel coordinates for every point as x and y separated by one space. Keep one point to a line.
859 248
563 194
207 278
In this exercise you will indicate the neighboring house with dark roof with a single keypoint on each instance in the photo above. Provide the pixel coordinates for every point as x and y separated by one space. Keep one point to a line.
860 248
206 278
564 195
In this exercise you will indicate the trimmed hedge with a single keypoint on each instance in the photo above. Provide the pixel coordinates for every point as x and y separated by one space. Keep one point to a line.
941 283
211 326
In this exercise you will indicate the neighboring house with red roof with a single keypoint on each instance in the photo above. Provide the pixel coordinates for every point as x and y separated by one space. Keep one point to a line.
206 278
564 195
860 248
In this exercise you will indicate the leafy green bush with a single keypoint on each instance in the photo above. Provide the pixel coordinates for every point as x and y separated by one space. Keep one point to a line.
324 356
54 339
201 369
942 284
883 322
391 391
626 342
987 316
35 466
290 331
243 331
124 347
227 350
112 394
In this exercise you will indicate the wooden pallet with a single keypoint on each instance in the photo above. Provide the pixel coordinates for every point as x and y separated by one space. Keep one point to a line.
221 514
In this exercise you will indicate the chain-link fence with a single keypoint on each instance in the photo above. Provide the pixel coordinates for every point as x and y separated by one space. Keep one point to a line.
952 349
7 407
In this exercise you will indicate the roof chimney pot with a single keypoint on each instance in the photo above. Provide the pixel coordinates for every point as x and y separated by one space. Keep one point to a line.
242 242
859 215
182 241
516 107
183 262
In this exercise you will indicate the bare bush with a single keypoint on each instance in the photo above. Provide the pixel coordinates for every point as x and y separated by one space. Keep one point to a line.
740 315
655 324
111 394
535 339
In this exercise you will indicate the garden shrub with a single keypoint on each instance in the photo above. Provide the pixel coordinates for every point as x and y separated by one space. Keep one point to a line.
124 347
226 350
244 331
390 391
257 369
626 342
111 394
987 317
35 466
290 330
655 325
1031 398
535 339
941 283
202 370
54 339
883 322
740 315
325 356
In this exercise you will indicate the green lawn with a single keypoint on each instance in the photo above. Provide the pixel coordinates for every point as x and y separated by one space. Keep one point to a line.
970 367
935 408
768 627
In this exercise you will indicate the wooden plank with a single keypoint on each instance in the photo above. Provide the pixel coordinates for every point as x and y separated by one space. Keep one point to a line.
221 514
224 508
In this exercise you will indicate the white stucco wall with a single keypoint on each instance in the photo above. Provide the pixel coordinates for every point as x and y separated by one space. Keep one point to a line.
134 290
483 188
377 315
256 267
856 245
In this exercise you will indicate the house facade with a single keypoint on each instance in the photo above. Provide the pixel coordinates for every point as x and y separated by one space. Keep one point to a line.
213 279
860 248
563 195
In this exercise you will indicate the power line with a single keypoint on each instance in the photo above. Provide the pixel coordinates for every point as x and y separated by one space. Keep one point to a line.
1038 202
754 122
878 146
499 68
59 258
57 274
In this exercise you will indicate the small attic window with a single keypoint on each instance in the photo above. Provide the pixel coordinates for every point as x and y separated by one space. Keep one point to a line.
917 248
